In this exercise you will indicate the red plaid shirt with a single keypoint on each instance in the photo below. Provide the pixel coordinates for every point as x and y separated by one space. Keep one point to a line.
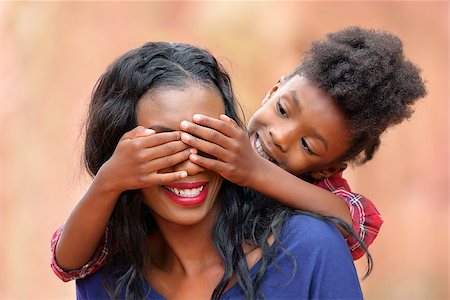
366 223
96 262
365 216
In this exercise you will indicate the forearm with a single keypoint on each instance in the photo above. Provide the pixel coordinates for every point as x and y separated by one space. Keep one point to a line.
294 192
85 226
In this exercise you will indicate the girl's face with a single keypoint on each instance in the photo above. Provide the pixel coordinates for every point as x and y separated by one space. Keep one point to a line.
190 200
299 127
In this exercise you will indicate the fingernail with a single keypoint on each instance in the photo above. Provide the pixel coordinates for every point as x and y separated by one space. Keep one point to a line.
148 130
197 118
183 174
185 136
193 150
184 124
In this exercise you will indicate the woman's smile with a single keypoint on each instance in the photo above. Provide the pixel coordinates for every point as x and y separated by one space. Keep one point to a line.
187 193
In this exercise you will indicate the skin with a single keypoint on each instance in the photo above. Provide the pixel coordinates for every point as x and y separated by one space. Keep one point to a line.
182 251
173 106
141 153
183 254
300 128
301 131
134 164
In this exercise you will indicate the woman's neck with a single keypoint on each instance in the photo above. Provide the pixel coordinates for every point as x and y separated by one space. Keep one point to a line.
183 249
184 262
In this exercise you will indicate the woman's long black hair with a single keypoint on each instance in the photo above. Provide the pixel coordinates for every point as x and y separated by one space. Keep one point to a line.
241 217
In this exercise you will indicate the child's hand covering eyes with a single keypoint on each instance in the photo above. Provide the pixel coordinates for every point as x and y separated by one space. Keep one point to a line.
228 144
140 154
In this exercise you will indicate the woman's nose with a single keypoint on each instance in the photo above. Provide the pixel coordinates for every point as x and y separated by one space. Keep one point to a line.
188 166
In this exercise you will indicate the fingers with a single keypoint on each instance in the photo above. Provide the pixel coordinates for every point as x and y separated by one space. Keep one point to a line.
209 163
206 133
207 147
228 120
165 161
160 138
139 131
165 178
148 136
163 150
224 125
140 139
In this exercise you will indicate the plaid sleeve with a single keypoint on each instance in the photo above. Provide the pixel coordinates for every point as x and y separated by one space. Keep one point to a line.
96 262
366 218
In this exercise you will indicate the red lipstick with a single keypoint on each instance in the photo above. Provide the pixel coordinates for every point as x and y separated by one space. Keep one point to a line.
187 193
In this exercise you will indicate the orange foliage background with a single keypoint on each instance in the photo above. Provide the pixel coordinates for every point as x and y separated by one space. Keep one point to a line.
51 54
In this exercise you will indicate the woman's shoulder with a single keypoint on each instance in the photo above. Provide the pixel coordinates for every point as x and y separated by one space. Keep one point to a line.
91 286
311 261
307 231
303 222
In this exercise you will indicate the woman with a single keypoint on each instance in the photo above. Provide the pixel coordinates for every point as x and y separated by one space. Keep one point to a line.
178 231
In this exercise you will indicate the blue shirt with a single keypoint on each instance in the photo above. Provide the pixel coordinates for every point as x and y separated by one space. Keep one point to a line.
316 265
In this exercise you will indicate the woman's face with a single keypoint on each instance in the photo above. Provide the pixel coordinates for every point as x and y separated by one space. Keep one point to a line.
190 200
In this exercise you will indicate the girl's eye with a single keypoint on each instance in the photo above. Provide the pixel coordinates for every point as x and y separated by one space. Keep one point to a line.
306 147
281 110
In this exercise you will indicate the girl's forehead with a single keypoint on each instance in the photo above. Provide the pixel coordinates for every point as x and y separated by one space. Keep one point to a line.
169 106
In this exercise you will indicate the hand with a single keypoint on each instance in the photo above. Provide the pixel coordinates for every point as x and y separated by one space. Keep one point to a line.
138 157
233 155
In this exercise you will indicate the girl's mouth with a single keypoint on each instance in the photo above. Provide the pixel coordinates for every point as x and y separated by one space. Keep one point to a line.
187 193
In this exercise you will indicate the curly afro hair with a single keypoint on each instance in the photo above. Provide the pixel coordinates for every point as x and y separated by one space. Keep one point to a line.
366 73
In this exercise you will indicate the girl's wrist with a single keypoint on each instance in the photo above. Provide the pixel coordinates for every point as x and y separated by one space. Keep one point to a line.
261 169
105 185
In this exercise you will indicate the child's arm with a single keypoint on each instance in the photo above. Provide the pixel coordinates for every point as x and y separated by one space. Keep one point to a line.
239 163
95 263
366 218
134 164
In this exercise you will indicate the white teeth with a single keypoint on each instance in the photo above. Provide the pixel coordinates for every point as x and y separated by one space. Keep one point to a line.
261 151
188 193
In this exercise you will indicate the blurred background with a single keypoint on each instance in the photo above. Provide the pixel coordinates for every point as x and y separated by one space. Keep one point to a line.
51 54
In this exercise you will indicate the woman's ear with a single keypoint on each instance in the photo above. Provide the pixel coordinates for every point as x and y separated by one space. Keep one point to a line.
328 171
273 90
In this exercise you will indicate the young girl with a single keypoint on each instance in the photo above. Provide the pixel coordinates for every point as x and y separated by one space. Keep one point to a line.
331 111
349 89
283 136
180 231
